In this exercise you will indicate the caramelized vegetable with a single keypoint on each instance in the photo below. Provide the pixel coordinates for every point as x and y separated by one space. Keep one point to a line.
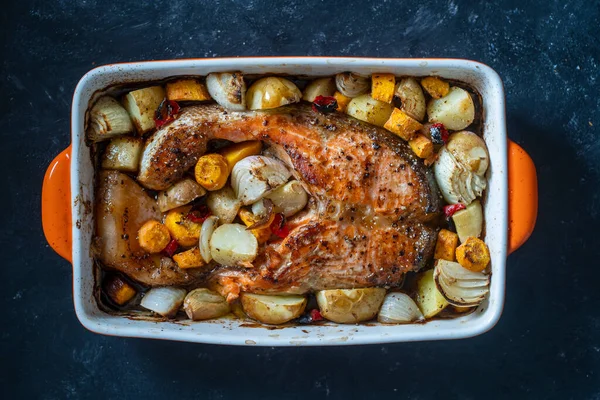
212 171
189 259
153 236
382 87
118 290
263 233
402 124
238 151
183 230
436 87
422 146
342 101
446 245
187 90
473 254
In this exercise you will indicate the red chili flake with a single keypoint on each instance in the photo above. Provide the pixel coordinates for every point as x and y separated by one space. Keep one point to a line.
278 226
439 133
449 210
199 214
324 104
166 112
171 248
315 315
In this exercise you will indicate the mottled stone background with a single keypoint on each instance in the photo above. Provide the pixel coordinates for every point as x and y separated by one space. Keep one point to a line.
547 344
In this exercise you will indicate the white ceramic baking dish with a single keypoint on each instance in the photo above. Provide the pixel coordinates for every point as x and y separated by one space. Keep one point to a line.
68 195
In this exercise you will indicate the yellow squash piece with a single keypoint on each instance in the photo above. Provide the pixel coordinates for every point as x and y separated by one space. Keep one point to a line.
421 146
181 228
403 124
436 87
212 171
153 236
342 101
238 151
383 86
446 245
262 234
473 254
118 290
187 90
189 259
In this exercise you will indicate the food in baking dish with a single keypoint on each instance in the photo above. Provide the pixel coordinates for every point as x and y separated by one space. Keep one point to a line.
356 198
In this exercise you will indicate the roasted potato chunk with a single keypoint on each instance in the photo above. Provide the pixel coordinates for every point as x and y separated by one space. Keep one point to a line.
273 310
142 105
429 299
350 306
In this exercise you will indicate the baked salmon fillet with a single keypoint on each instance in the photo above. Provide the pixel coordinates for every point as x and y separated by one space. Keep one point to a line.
371 216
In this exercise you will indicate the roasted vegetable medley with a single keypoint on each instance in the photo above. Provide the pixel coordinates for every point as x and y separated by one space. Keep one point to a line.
240 196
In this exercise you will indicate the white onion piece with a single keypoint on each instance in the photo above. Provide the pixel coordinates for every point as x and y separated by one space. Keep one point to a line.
164 300
399 308
460 168
252 178
232 244
228 89
208 227
458 285
287 199
351 85
224 204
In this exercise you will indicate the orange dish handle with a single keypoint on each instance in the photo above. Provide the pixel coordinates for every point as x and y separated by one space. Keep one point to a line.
522 196
56 204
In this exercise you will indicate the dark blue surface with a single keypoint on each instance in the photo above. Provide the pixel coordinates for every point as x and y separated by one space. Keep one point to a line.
547 344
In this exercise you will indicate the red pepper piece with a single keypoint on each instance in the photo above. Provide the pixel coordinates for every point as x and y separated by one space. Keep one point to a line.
315 315
166 112
324 104
449 210
171 248
199 215
278 226
439 133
